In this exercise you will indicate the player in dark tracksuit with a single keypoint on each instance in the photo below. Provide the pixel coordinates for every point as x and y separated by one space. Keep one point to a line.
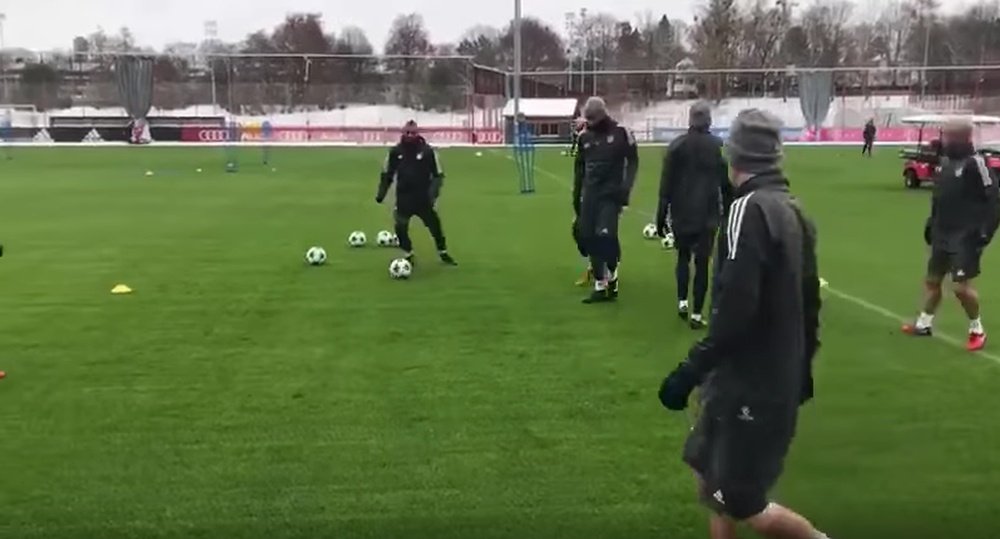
604 174
755 366
963 220
413 165
694 187
869 136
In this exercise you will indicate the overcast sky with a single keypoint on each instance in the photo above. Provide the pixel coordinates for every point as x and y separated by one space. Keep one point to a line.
48 24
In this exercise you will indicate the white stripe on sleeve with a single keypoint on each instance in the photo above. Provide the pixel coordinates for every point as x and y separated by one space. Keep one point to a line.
735 226
984 170
437 163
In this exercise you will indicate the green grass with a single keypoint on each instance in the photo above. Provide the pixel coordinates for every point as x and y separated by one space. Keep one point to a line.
240 394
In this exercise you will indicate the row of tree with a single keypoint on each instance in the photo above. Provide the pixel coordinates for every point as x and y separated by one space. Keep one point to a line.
724 34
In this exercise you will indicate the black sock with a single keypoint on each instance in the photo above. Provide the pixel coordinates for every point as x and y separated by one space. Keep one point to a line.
433 222
683 272
403 233
701 264
597 266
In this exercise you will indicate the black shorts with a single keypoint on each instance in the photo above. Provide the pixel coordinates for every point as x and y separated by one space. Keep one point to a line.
962 264
599 218
413 206
700 244
739 452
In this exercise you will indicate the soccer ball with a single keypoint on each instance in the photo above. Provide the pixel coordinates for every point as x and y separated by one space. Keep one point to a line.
400 269
649 232
668 240
386 239
316 256
357 239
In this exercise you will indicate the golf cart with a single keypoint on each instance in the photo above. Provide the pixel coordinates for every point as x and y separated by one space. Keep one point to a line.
922 161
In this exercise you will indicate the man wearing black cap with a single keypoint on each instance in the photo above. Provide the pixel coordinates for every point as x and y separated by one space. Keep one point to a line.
604 174
963 220
694 187
413 165
755 366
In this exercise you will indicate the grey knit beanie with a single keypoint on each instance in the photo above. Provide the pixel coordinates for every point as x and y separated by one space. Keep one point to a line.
754 144
700 115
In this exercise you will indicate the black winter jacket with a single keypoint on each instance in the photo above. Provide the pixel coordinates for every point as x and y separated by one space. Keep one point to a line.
606 165
765 321
694 184
965 209
417 173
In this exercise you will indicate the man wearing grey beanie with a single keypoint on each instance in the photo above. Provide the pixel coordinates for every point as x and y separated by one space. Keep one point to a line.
604 174
755 366
694 188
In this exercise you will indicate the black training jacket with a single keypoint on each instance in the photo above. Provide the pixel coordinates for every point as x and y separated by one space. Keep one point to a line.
607 161
964 208
416 171
870 131
694 184
765 320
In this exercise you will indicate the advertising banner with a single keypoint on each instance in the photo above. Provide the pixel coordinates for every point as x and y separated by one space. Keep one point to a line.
346 135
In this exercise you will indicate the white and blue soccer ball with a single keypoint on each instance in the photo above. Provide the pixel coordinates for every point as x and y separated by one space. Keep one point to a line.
649 231
668 240
316 256
357 239
400 269
386 239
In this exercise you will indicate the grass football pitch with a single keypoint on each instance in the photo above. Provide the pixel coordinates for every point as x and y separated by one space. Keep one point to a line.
240 394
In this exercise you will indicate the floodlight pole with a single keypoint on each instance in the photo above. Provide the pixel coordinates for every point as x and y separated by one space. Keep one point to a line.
517 60
3 57
211 34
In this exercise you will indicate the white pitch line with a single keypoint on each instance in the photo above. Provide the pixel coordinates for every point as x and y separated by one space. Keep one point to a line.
871 307
844 296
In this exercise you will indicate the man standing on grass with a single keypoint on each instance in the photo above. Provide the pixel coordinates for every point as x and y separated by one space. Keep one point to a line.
413 165
964 217
694 187
755 366
604 174
869 135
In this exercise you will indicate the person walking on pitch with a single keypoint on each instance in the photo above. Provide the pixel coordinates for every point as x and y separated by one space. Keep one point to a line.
963 220
413 166
755 366
869 136
604 174
694 187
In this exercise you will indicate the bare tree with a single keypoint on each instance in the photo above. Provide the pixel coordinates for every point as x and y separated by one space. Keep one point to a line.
543 48
356 78
826 24
661 41
482 43
762 27
715 34
408 37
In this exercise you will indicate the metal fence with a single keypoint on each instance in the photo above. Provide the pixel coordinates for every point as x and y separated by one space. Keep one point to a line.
303 89
348 91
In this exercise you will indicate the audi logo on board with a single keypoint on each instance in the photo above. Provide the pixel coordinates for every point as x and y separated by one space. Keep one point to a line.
213 135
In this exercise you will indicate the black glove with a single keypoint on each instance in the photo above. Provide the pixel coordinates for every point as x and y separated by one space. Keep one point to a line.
379 199
677 387
927 233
